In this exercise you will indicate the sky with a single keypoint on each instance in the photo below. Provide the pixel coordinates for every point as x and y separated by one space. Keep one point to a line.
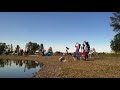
57 29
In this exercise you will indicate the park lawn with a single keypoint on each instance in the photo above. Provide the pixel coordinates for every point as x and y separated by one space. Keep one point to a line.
106 66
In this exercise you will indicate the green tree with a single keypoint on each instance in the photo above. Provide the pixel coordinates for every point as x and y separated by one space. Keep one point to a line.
115 43
17 49
41 46
11 48
2 47
50 50
8 48
115 23
32 47
29 46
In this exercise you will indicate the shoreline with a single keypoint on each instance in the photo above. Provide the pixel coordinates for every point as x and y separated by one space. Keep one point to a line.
48 69
107 66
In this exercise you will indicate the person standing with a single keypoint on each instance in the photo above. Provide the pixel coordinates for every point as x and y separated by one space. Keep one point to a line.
87 49
77 45
83 52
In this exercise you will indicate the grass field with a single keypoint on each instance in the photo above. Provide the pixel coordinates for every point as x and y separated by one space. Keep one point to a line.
106 66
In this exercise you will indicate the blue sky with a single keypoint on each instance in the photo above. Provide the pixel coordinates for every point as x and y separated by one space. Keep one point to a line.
57 29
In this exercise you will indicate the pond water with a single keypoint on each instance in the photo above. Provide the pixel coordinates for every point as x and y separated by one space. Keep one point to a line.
18 68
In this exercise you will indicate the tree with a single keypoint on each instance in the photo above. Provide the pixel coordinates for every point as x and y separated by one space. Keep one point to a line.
32 47
8 48
29 46
115 43
11 48
2 47
17 49
50 50
41 46
115 21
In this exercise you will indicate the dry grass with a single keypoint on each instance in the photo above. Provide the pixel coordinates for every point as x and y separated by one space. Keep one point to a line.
104 67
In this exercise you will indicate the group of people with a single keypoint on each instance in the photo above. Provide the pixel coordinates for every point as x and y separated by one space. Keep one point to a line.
85 49
84 54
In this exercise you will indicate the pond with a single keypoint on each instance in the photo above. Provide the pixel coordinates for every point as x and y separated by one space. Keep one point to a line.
19 68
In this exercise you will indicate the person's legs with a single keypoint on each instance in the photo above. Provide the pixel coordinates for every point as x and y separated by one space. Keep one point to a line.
87 55
84 54
78 55
74 55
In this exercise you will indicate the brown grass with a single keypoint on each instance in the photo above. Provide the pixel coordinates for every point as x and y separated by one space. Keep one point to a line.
104 67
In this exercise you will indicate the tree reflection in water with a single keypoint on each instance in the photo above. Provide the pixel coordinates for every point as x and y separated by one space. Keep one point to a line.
26 63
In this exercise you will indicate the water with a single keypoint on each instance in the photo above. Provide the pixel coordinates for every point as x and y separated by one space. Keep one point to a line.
18 68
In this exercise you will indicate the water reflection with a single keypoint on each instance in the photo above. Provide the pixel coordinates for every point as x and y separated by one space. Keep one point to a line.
19 65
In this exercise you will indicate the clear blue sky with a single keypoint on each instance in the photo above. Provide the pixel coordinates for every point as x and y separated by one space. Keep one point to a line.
57 29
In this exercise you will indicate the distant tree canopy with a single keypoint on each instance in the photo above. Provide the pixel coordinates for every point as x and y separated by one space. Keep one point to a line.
17 49
115 23
41 46
32 47
11 48
8 48
2 47
5 48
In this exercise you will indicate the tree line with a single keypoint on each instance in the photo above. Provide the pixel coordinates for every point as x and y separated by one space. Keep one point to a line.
30 47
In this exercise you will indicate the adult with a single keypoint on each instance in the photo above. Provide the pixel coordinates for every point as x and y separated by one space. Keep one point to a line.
84 51
77 46
87 49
